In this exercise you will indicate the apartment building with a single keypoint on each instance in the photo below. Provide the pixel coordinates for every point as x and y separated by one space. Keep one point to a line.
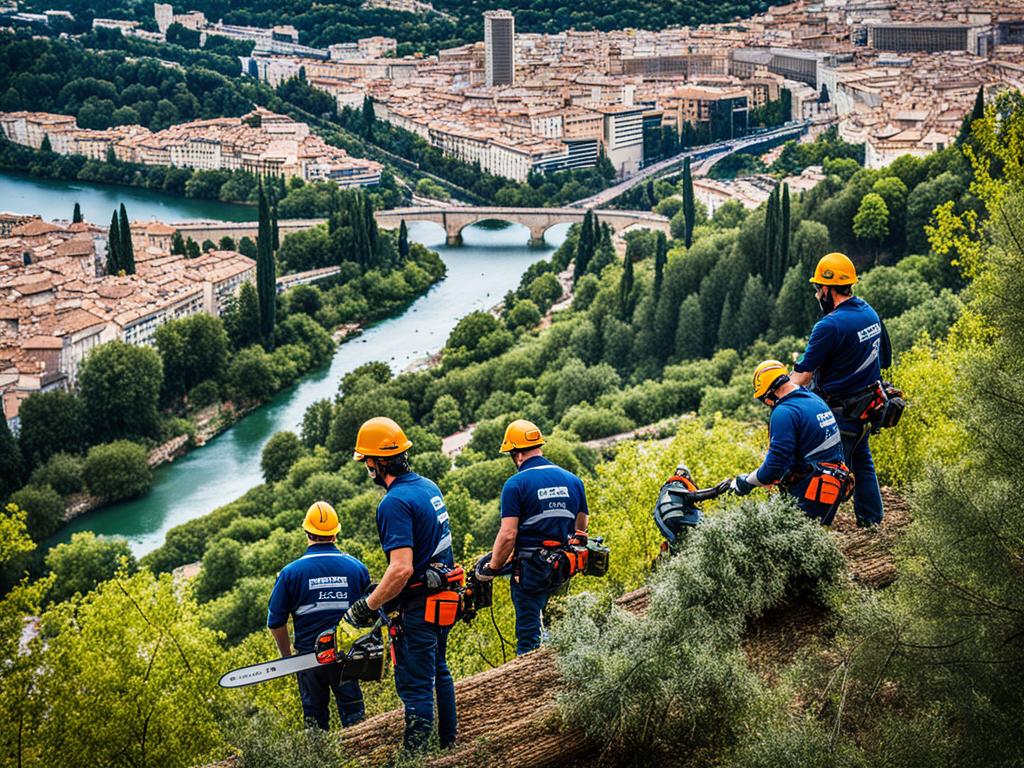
499 46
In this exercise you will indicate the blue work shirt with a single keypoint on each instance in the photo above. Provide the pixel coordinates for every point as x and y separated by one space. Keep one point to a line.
546 499
412 514
316 590
848 348
802 429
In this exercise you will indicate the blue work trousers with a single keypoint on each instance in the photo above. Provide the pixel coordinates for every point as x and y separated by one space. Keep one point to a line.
867 497
421 671
529 606
315 688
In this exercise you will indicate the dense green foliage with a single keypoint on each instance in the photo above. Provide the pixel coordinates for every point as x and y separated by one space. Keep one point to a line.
117 470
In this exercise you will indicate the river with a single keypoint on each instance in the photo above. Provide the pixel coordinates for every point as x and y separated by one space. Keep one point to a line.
488 263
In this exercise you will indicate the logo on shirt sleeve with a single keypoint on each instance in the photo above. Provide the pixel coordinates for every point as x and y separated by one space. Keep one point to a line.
554 492
438 503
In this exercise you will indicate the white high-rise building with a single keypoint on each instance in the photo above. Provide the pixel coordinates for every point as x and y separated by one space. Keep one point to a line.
500 47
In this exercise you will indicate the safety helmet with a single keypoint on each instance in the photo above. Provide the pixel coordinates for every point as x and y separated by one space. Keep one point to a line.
521 434
321 520
834 269
380 436
767 377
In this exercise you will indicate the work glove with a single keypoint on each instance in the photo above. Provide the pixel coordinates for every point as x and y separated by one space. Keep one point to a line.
360 614
740 486
482 570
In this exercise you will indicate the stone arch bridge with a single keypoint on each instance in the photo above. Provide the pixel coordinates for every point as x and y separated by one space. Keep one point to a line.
453 218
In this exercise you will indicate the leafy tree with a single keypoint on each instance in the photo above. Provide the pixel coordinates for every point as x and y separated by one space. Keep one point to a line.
120 388
477 336
316 423
137 645
193 350
446 415
43 507
729 214
872 221
51 422
117 470
226 243
247 247
126 252
192 249
62 472
279 454
524 314
222 566
11 465
177 244
894 192
250 376
76 217
242 317
81 564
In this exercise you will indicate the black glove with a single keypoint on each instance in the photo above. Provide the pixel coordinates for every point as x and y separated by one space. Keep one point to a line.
360 614
740 486
483 570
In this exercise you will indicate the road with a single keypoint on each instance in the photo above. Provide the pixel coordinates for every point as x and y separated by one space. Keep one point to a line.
708 154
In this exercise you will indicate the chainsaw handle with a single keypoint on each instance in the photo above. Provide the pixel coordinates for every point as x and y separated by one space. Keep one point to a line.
703 494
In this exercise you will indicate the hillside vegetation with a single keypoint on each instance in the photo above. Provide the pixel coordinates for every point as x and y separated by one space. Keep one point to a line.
670 330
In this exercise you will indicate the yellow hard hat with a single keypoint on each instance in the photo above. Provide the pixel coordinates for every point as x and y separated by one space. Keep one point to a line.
521 434
321 520
766 375
834 269
380 436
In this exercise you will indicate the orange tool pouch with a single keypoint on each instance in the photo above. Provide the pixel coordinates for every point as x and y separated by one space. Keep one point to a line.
830 483
444 607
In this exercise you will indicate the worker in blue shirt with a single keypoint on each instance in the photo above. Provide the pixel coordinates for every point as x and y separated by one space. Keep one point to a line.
412 523
805 453
540 503
316 590
843 363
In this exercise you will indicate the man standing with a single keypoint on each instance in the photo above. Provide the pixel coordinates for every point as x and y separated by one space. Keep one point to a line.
844 359
412 523
805 454
540 503
316 590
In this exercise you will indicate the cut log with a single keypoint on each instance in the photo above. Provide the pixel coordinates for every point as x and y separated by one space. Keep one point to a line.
509 713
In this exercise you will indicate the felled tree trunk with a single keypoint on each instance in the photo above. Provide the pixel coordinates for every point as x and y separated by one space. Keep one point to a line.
509 715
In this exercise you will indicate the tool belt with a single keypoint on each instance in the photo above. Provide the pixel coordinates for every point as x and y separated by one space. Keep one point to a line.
553 563
441 592
830 483
881 405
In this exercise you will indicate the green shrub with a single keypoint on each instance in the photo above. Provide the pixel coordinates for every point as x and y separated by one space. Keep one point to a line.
62 472
44 509
204 393
117 470
675 681
84 562
279 454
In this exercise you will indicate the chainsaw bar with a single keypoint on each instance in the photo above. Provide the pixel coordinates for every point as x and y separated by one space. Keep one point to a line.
268 670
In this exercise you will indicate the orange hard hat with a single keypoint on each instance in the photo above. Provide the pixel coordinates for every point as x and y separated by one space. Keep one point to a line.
380 436
834 269
321 520
521 434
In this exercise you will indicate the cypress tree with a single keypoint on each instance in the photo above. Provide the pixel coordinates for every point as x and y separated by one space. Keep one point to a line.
126 255
372 238
660 259
652 198
689 341
976 112
266 282
368 116
585 246
76 217
275 240
177 244
403 241
46 146
689 204
784 238
725 329
626 290
113 246
770 245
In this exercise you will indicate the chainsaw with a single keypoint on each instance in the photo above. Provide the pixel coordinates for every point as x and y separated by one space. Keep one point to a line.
364 659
